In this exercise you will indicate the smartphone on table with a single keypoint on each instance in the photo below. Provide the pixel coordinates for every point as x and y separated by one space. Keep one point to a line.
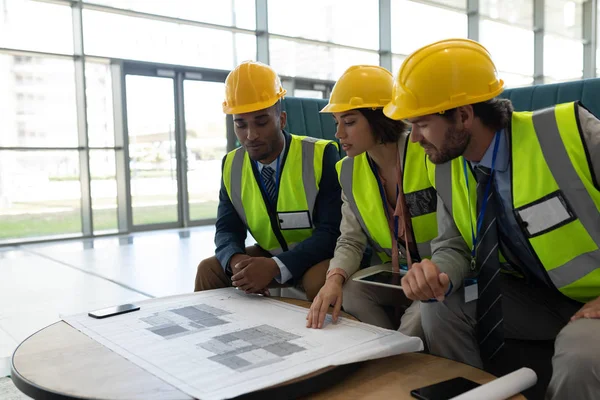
444 390
116 310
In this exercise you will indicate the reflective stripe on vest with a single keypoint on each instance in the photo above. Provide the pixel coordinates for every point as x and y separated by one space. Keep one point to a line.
362 191
304 158
376 225
554 197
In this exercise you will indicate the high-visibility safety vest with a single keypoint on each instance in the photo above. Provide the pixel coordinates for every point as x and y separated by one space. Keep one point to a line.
555 200
281 229
360 186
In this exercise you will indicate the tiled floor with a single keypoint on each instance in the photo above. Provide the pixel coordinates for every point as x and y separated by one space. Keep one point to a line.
8 391
40 282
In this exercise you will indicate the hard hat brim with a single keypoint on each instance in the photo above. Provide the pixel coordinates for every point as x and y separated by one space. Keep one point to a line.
334 108
392 112
395 112
247 108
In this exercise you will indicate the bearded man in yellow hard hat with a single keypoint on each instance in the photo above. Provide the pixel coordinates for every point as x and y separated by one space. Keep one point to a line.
517 254
281 187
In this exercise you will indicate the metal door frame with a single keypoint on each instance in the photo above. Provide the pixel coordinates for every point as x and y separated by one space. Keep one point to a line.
178 74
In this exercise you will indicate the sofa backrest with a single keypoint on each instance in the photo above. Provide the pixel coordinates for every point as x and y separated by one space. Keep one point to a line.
303 118
533 98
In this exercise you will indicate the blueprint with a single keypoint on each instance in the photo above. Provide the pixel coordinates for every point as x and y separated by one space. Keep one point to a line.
223 343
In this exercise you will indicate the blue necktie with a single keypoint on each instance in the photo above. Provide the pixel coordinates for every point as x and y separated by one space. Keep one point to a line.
269 182
489 306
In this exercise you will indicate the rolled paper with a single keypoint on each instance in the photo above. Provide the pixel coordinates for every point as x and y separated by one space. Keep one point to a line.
502 388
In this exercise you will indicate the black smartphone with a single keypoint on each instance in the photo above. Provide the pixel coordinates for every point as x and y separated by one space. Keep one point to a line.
444 390
116 310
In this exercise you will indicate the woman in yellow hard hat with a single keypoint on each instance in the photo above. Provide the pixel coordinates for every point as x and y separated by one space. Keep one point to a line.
388 202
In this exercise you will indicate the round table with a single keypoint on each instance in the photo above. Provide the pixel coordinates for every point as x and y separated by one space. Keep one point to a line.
55 363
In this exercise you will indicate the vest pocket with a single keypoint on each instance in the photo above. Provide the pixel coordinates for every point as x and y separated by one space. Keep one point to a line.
544 215
294 220
421 202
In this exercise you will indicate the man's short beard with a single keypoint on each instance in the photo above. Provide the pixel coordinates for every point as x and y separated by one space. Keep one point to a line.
454 145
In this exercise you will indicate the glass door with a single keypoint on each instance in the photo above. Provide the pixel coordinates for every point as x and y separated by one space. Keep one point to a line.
153 160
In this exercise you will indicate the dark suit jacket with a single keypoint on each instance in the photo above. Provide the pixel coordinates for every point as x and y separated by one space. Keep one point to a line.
231 232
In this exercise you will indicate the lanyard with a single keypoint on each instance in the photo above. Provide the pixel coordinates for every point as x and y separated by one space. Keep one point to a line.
262 183
484 201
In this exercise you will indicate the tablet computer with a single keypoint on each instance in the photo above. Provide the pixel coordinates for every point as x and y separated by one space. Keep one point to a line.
383 277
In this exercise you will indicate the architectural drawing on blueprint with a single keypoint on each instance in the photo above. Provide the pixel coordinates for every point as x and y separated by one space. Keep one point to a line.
222 343
183 321
252 347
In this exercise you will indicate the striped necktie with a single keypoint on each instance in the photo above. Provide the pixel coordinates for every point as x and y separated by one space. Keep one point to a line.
489 306
267 178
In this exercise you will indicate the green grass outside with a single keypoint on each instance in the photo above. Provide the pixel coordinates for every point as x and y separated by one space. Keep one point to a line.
69 222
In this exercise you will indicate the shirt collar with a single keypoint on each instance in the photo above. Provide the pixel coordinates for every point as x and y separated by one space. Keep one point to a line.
502 157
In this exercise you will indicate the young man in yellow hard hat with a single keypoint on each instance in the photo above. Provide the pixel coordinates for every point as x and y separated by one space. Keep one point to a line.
517 254
281 187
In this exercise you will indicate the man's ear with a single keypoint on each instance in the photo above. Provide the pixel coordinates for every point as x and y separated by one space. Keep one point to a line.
283 119
465 115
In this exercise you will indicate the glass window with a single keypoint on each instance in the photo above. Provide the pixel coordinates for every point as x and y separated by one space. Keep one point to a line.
98 90
564 18
245 48
40 194
415 25
104 190
206 141
37 26
515 80
452 3
309 94
500 41
349 22
563 58
37 102
515 12
240 13
165 42
397 61
315 61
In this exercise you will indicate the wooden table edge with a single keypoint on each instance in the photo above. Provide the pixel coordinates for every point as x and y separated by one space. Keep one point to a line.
30 388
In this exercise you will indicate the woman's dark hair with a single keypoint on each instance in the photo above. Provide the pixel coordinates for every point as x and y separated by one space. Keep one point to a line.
494 113
385 130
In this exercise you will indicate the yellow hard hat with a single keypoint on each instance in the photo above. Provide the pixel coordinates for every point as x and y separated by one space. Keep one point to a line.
251 86
361 86
441 76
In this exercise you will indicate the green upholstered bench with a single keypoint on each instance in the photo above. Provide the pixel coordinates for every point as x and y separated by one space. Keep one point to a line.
533 98
303 118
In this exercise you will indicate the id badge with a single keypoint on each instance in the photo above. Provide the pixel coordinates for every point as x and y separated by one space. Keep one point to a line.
471 290
294 220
